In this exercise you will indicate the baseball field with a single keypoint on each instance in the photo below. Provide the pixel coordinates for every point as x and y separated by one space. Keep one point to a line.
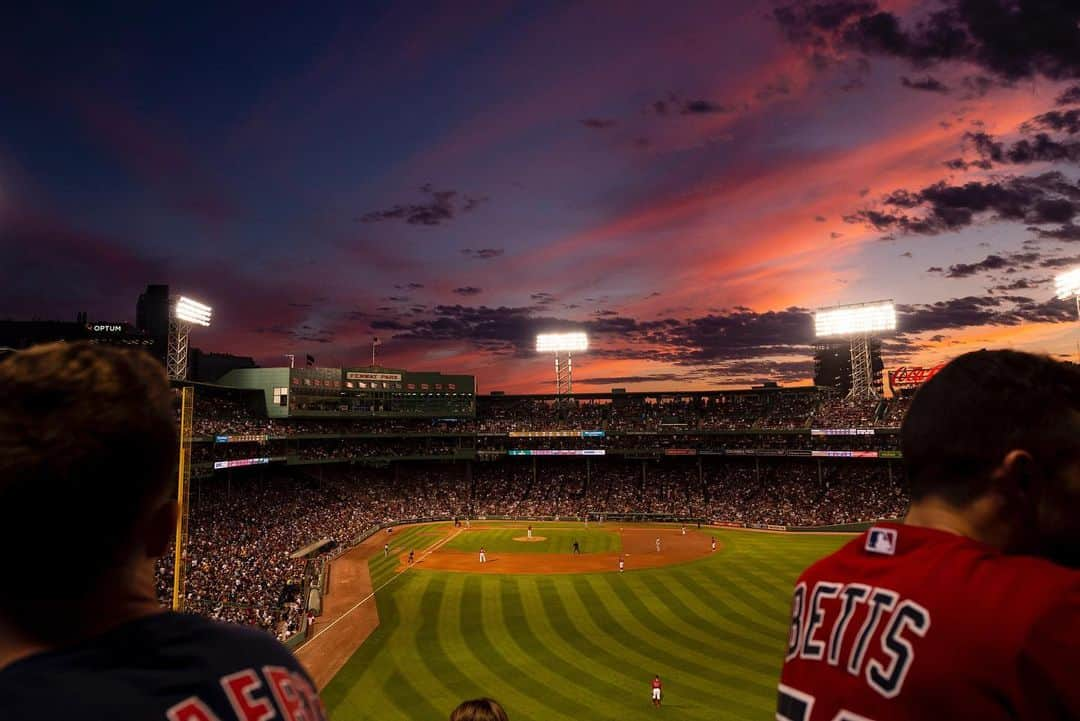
555 641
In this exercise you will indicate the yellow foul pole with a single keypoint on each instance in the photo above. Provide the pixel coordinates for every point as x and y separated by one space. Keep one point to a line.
183 494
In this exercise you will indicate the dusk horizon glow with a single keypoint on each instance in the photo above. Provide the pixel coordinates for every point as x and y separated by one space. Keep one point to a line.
683 183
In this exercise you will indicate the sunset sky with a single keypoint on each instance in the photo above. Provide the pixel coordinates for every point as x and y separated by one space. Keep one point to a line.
684 180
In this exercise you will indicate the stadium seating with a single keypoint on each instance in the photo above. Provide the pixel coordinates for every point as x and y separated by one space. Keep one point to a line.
244 528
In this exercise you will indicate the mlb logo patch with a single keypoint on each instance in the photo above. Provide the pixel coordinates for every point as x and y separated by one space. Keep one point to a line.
881 540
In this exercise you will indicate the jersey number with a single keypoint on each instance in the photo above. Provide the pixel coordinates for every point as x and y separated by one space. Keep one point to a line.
794 705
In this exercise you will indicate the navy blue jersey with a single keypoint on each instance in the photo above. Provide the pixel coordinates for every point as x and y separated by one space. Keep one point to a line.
167 666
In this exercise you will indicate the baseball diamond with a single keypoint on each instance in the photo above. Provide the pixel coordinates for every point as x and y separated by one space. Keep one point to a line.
570 645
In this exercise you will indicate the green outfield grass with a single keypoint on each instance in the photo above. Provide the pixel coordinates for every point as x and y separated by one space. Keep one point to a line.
557 540
572 647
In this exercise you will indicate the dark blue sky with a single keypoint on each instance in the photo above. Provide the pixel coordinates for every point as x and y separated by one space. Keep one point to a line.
682 180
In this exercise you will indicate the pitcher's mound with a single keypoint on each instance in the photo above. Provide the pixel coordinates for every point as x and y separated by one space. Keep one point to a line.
526 539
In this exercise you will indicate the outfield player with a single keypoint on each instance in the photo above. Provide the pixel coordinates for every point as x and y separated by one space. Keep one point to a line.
622 564
713 544
951 614
658 544
88 438
657 690
386 550
483 556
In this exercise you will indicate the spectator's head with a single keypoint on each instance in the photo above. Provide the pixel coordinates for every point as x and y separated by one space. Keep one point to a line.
88 444
480 709
996 434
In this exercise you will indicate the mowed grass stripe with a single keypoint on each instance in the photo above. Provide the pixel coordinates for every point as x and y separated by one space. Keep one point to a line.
703 664
556 648
598 646
641 647
578 658
440 673
725 631
746 623
549 682
520 689
408 654
501 540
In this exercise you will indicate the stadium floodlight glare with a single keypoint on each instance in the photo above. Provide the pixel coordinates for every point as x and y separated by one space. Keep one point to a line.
185 314
192 311
857 323
559 342
851 320
1068 284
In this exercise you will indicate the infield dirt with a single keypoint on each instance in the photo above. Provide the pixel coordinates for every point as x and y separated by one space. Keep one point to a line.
639 551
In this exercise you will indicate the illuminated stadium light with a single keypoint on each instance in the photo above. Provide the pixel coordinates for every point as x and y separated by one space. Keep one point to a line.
857 323
1068 284
192 311
185 314
861 319
557 342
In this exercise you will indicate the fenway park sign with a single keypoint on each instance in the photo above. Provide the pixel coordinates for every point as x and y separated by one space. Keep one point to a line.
367 376
912 376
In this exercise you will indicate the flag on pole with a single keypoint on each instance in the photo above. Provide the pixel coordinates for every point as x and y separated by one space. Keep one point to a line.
376 341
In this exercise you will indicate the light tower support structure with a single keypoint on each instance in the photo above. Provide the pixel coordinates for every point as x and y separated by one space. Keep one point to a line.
564 375
176 358
859 324
562 345
862 370
183 314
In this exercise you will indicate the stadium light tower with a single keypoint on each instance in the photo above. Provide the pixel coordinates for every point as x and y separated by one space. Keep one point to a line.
184 313
559 343
858 323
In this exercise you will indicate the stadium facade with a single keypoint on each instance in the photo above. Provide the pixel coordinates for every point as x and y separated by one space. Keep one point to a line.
357 392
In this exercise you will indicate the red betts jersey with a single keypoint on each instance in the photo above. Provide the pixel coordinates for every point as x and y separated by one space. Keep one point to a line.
911 623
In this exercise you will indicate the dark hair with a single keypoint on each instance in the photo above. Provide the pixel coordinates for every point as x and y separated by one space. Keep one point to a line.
966 419
480 709
88 438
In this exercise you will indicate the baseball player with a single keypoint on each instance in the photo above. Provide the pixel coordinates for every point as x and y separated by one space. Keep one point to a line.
657 690
622 564
577 548
483 555
658 544
386 550
951 614
684 530
411 557
530 533
713 544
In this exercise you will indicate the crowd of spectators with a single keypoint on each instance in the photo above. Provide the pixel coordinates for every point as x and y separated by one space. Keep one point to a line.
243 530
775 409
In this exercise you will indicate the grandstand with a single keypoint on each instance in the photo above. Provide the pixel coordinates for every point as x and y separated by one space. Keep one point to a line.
266 485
